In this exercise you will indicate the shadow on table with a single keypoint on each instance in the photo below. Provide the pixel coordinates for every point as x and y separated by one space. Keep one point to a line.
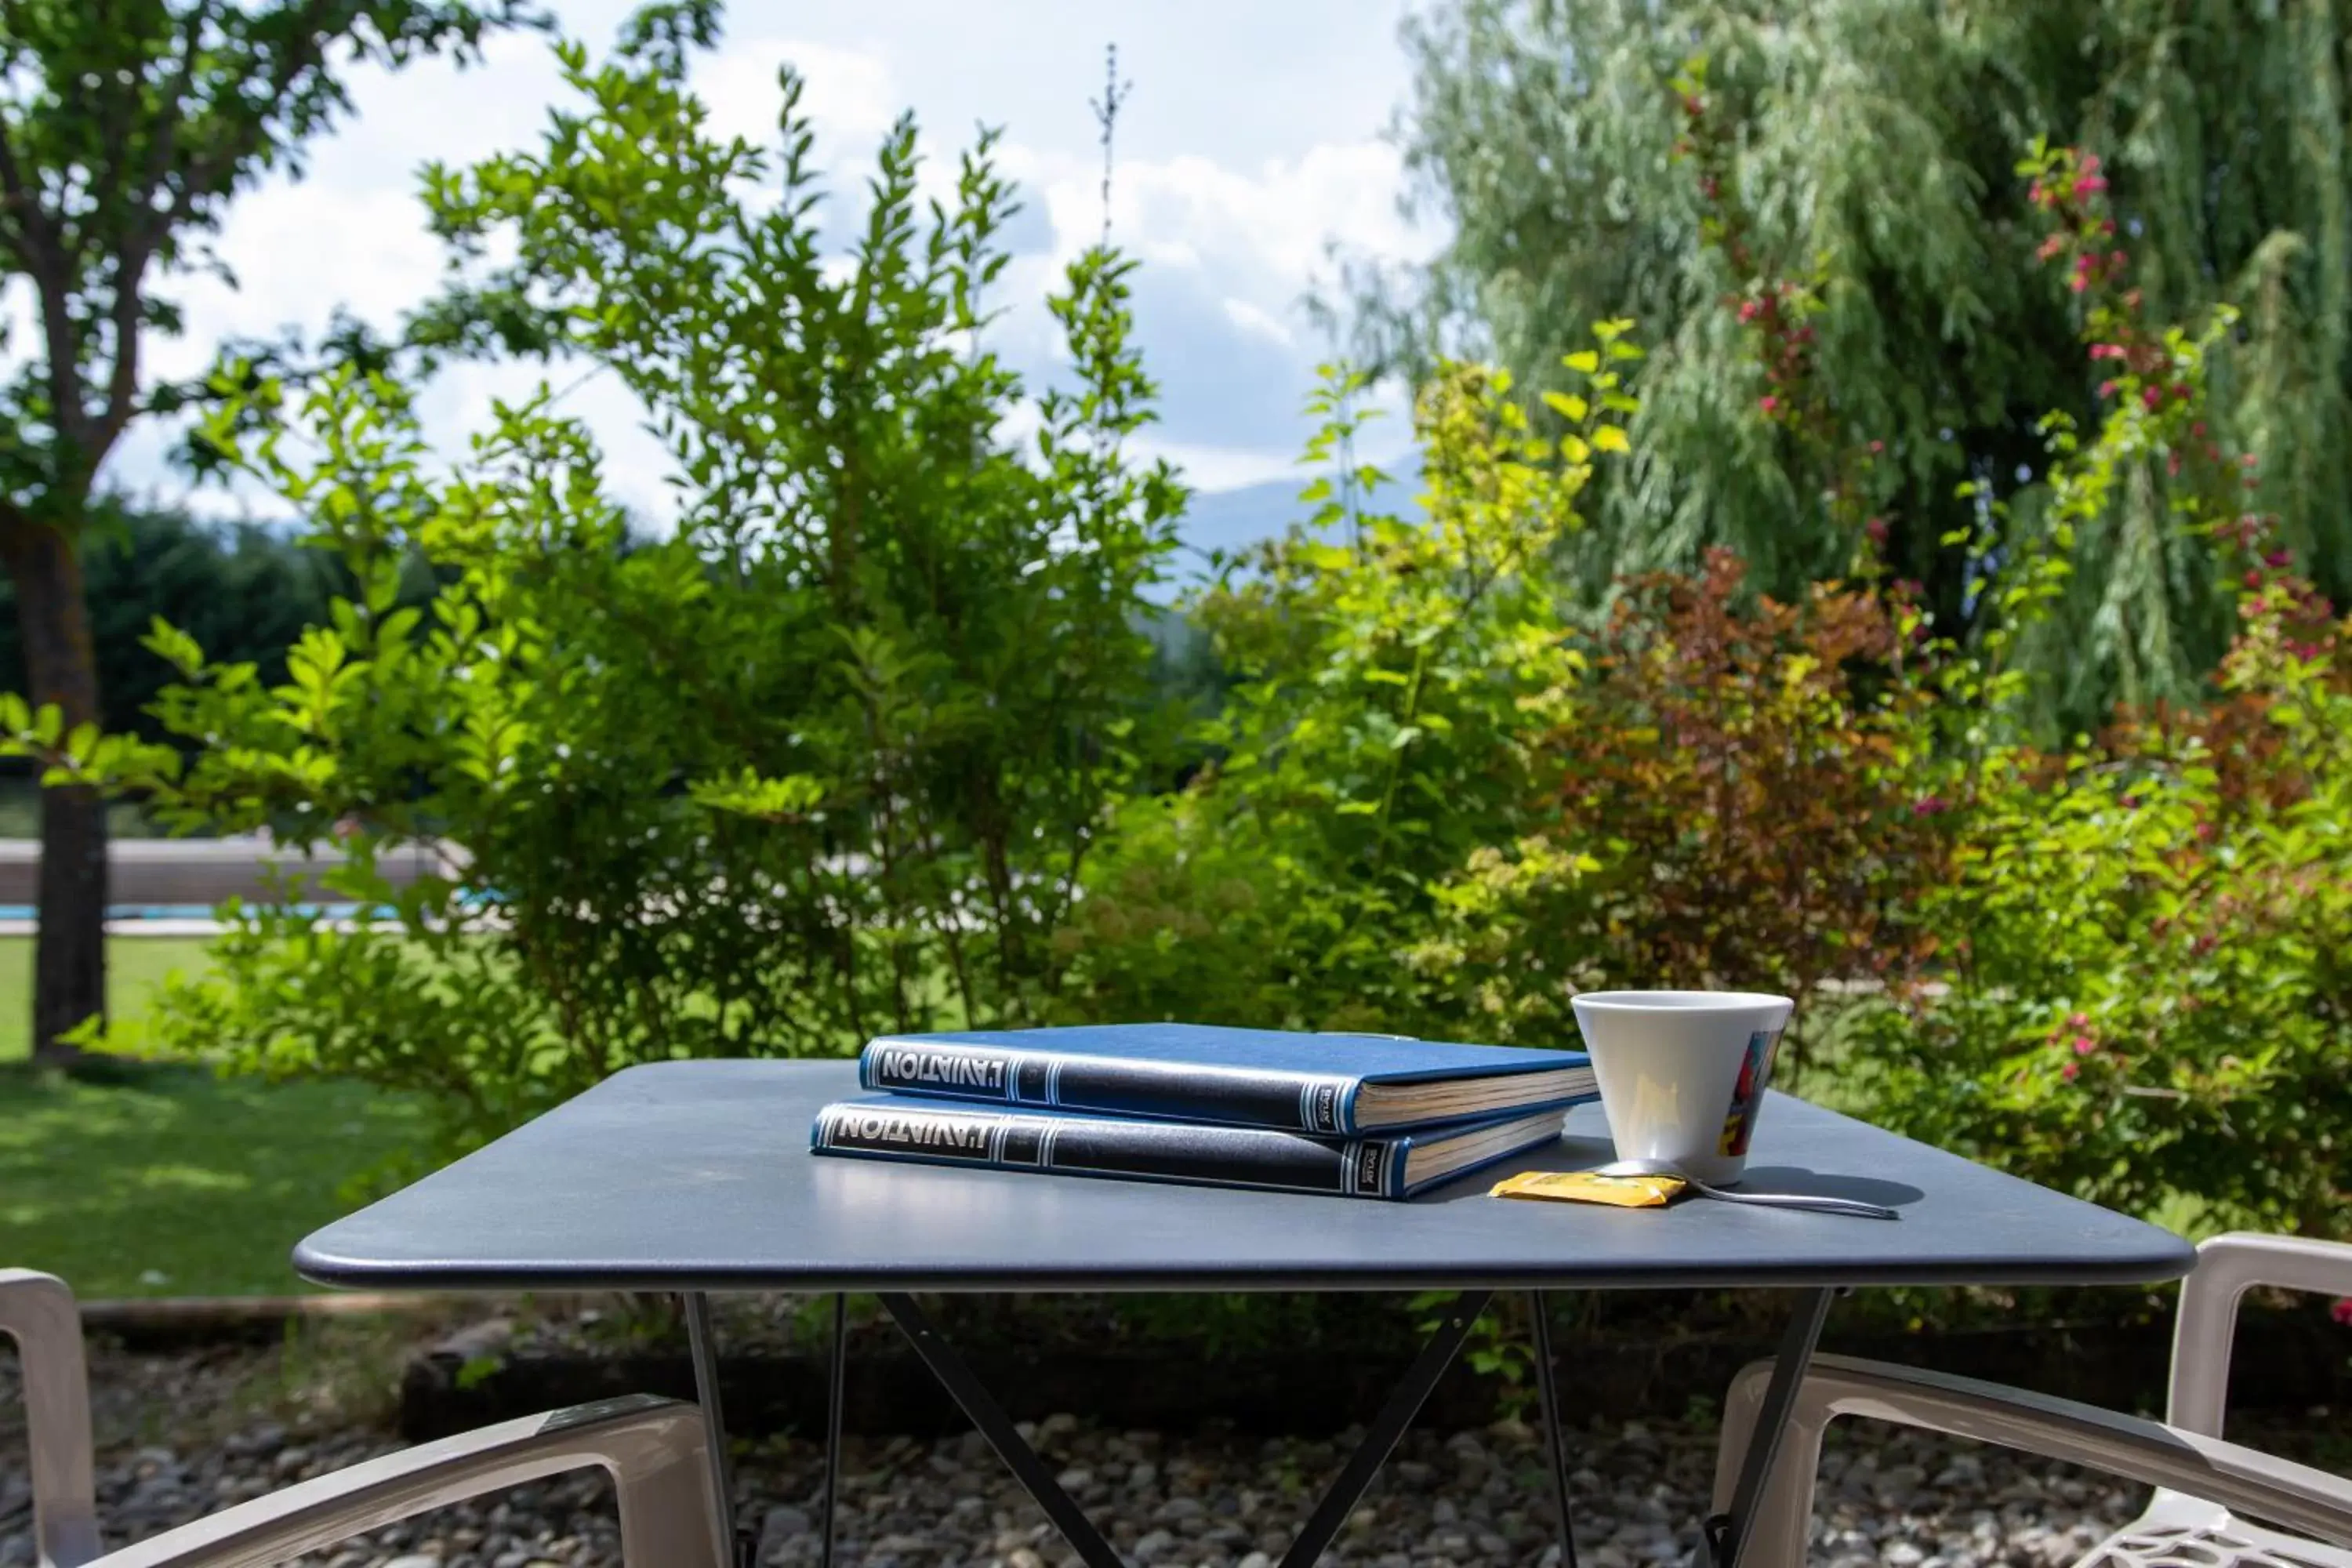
1573 1153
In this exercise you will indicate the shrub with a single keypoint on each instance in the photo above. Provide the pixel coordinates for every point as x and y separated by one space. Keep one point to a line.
2146 1001
1741 794
827 761
1386 677
2149 1003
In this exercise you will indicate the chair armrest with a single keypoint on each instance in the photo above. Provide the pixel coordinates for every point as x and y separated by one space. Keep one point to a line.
2227 1267
2295 1496
656 1451
37 1311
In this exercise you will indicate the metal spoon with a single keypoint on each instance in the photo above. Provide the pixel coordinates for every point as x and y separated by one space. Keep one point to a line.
1769 1200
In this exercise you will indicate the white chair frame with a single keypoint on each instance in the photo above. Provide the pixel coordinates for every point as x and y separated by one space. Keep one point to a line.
2203 1481
656 1450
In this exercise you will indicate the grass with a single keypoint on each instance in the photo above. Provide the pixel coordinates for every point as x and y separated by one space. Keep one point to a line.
176 1182
171 1182
134 965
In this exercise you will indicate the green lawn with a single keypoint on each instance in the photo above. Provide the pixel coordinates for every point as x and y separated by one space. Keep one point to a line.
134 965
171 1182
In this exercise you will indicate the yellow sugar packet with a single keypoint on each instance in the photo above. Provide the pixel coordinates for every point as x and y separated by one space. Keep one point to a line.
1585 1187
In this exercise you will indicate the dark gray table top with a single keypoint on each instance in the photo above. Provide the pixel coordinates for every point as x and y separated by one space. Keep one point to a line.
697 1176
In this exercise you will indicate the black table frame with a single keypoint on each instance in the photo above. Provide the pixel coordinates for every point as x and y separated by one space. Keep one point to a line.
1726 1533
689 1165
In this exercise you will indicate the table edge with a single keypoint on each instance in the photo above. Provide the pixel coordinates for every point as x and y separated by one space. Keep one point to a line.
2156 1267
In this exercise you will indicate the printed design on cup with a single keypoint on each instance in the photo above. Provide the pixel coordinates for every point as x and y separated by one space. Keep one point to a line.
1754 1077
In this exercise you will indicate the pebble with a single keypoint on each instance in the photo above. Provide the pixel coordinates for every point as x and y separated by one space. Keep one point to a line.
1887 1499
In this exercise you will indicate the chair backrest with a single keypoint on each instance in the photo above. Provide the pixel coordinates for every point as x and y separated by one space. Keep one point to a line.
2227 1267
37 1311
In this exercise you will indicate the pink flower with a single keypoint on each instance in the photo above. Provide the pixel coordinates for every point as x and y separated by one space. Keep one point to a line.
2078 1020
2246 459
1877 529
2341 1310
1768 403
2090 163
2198 429
1928 805
2085 1044
2149 397
2254 579
2069 1071
2051 247
2078 283
2106 389
1747 309
2090 185
2277 558
1877 446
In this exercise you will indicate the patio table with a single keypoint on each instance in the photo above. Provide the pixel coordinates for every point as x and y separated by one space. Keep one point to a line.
695 1177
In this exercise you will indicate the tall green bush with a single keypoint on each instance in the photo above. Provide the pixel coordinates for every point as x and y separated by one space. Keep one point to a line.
2147 1000
1741 794
1386 678
828 760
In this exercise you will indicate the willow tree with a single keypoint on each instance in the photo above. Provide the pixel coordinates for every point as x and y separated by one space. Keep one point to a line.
1863 156
126 128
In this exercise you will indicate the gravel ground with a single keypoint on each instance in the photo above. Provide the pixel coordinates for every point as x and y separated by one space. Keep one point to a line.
183 1436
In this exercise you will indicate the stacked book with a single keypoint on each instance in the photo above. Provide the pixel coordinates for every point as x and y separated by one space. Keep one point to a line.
1372 1116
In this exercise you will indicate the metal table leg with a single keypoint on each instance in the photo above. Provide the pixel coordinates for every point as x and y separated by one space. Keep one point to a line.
706 1393
836 1386
1348 1488
1727 1533
1554 1438
1331 1511
1021 1459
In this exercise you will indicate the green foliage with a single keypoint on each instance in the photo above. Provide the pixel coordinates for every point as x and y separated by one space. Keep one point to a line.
1387 678
124 132
2145 1001
2151 997
243 591
827 761
1742 796
1855 159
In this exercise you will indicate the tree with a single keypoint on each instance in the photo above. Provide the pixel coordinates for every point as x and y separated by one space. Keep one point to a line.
827 759
126 127
1837 200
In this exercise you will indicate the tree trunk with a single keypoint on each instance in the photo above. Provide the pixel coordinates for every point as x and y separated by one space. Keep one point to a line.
61 667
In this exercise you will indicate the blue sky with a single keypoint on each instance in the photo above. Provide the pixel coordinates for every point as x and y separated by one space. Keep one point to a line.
1253 140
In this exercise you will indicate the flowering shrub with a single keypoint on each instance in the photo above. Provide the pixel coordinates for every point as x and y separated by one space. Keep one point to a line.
2150 995
2147 1000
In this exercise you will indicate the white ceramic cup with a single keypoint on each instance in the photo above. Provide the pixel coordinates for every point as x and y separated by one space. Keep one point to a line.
1683 1073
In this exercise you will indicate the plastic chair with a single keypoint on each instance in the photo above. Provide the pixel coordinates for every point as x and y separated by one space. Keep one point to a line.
656 1450
2202 1482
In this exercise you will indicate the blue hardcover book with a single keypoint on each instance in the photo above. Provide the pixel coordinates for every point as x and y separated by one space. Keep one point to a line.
1342 1085
889 1127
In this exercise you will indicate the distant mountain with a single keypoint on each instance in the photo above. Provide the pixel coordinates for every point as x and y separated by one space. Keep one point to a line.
1233 520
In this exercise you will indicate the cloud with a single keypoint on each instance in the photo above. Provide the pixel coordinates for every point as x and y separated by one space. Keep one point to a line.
1228 249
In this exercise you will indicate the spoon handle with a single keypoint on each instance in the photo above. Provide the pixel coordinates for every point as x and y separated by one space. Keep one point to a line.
1801 1201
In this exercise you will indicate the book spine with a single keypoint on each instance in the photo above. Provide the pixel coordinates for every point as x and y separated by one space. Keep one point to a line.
1286 1101
1168 1152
